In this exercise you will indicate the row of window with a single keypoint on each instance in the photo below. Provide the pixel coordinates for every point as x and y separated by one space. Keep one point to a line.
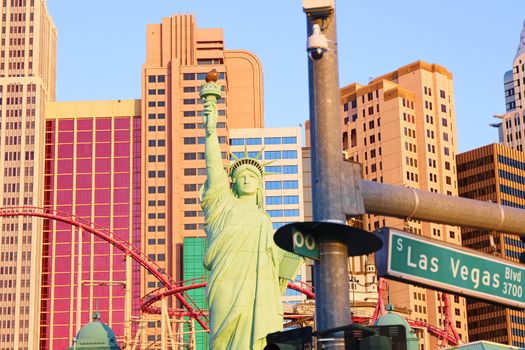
512 177
199 76
156 116
283 212
192 101
281 169
156 189
156 228
220 112
157 103
282 185
267 141
191 227
201 140
159 241
157 257
156 215
478 162
156 78
511 162
200 155
512 204
276 200
160 158
159 143
156 91
512 191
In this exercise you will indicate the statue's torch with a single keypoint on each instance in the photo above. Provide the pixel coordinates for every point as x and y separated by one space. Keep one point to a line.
210 90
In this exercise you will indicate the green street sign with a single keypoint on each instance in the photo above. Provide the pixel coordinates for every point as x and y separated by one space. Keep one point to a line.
305 245
438 265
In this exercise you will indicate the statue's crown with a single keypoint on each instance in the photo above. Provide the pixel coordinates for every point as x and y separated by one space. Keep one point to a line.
246 161
238 162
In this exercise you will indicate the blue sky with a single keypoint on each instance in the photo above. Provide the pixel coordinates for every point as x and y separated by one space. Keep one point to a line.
102 48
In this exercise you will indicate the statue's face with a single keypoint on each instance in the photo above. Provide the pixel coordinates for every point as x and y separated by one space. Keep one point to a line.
246 182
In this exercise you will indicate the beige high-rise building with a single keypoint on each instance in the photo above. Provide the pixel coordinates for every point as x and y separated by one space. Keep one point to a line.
178 56
401 127
27 82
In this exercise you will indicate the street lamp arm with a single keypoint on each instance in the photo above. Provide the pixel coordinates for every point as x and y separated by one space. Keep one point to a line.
405 202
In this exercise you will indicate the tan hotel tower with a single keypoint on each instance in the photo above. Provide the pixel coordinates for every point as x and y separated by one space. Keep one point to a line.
178 56
27 82
401 127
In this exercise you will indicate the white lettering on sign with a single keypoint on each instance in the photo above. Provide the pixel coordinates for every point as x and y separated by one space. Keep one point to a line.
421 262
512 275
475 275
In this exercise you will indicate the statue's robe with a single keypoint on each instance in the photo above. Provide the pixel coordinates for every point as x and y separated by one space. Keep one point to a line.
243 290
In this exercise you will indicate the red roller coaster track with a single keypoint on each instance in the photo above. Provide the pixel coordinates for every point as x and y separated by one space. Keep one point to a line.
117 242
171 287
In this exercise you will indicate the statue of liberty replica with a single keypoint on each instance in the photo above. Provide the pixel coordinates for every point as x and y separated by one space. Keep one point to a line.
248 272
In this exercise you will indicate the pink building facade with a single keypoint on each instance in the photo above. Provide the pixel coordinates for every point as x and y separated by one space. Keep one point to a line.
92 170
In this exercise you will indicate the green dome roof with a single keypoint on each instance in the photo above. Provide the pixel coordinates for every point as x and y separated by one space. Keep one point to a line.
96 335
392 319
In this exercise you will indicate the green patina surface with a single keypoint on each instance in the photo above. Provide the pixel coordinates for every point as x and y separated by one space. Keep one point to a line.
95 335
246 278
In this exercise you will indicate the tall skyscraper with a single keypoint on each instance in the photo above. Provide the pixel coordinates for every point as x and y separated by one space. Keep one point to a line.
512 125
494 173
92 170
401 127
27 83
178 56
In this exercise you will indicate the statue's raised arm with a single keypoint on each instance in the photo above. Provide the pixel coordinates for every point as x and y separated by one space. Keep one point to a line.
211 92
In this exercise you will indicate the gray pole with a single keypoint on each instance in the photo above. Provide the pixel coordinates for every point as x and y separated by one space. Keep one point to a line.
331 273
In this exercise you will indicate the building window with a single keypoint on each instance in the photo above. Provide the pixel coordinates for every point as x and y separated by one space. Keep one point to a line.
236 142
272 140
289 154
253 141
290 140
272 155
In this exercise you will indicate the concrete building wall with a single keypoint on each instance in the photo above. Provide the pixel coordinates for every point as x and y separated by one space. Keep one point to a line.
27 83
401 127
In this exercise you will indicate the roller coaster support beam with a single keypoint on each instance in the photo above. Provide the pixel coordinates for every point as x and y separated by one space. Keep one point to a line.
163 325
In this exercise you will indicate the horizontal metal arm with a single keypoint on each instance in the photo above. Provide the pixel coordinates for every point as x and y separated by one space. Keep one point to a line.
406 202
